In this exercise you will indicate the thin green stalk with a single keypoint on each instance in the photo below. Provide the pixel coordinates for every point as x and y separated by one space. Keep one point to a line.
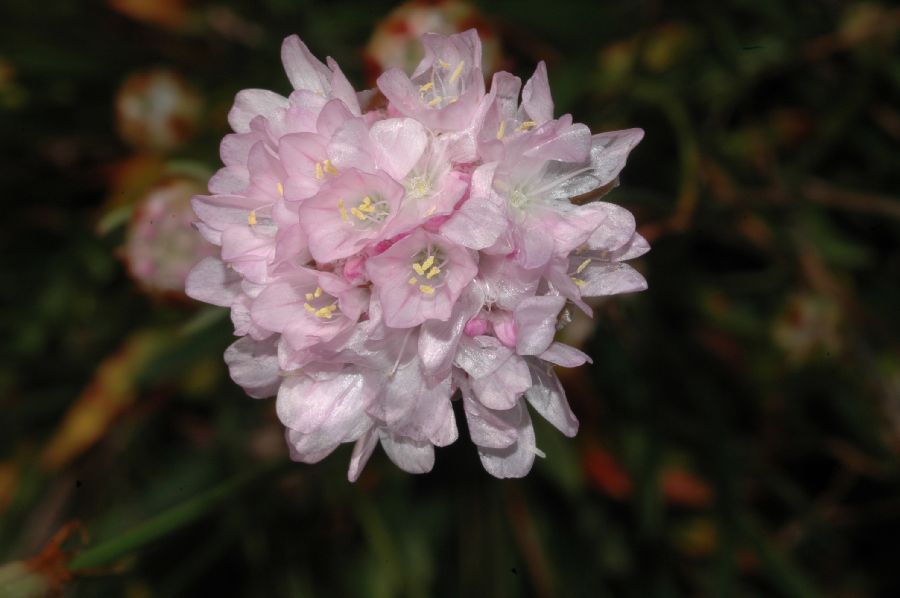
169 521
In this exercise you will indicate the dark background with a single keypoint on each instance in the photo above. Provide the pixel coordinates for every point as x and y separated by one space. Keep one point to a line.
741 420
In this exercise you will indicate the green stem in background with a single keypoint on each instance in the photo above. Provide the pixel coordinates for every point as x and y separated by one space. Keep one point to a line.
783 574
171 520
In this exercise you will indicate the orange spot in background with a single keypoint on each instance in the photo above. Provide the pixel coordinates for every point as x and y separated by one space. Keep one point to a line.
51 563
605 473
683 488
9 473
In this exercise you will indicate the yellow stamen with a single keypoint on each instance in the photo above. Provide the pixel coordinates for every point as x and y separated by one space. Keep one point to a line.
251 218
426 289
358 213
528 124
427 86
342 210
366 206
443 64
435 101
418 269
309 308
582 266
319 173
329 168
310 296
318 292
428 263
457 71
413 280
326 312
280 189
501 131
578 281
433 272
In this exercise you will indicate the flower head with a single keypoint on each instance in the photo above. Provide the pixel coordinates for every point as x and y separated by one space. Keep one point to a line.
379 265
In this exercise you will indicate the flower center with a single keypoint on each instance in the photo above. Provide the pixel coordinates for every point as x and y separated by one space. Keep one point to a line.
366 213
418 187
518 198
427 270
320 304
582 264
322 168
445 86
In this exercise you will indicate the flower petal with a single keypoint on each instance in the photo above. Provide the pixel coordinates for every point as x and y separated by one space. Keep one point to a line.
254 366
536 98
549 399
476 225
409 455
362 450
399 144
211 281
514 461
536 319
305 71
250 103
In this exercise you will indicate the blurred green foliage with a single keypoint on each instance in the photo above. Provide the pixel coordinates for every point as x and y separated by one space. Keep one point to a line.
741 421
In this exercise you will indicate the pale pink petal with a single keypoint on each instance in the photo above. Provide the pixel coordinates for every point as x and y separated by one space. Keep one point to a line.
501 388
243 323
446 433
399 144
565 356
400 90
350 147
362 450
254 366
305 71
615 231
438 340
235 148
536 98
608 154
211 281
476 225
409 455
229 180
549 399
560 140
534 245
514 461
505 282
635 248
305 404
610 279
486 429
341 87
481 355
250 103
536 319
279 305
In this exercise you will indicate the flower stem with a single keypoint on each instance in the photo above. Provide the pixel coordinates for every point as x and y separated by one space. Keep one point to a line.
170 520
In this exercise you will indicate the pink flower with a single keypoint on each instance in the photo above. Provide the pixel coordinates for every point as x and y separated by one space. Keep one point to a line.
420 278
380 265
351 211
161 248
444 91
308 307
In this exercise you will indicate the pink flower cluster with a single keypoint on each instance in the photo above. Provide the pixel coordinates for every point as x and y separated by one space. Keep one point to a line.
378 263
